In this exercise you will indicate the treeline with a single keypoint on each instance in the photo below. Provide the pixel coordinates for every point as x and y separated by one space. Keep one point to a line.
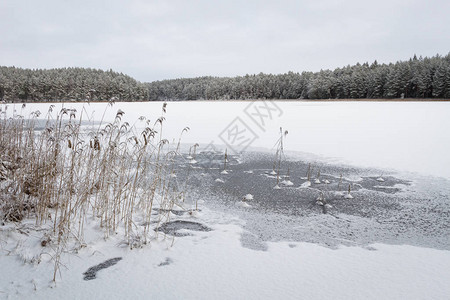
415 78
68 84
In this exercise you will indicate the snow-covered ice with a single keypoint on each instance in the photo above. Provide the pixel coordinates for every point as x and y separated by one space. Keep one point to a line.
405 136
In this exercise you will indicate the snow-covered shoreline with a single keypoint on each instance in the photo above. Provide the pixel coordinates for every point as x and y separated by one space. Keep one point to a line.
214 265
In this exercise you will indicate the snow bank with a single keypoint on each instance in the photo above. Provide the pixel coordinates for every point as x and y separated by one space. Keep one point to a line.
214 265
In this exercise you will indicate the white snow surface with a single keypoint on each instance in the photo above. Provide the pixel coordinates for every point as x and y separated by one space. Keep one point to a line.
405 136
214 265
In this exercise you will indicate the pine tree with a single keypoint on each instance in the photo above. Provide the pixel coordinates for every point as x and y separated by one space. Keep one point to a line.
441 81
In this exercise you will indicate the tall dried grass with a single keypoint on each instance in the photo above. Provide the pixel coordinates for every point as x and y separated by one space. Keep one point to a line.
65 174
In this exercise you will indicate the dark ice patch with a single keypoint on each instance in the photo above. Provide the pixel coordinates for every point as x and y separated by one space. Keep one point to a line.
251 241
167 262
173 227
174 211
409 210
91 273
389 185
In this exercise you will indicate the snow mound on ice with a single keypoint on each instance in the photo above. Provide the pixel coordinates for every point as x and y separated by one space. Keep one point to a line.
348 196
305 185
287 183
243 204
248 197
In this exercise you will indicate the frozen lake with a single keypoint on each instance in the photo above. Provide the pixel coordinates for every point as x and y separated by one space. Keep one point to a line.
404 136
390 240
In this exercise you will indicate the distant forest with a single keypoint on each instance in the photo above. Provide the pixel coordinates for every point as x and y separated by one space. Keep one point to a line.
415 78
68 84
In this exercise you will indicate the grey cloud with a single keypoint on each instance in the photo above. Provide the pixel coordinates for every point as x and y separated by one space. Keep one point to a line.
153 40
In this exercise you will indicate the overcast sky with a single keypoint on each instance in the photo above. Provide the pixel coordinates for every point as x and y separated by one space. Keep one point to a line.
154 40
